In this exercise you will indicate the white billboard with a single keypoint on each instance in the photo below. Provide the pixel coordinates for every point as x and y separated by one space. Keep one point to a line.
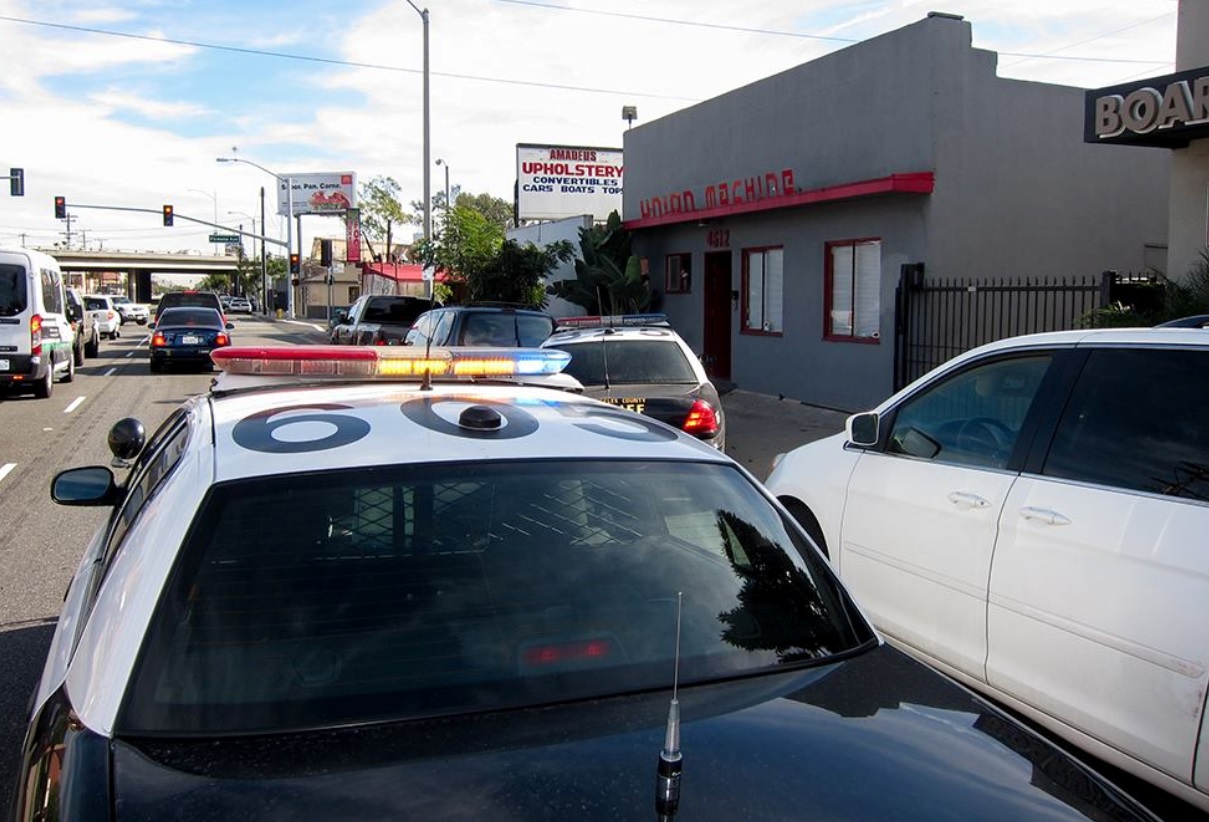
331 193
554 182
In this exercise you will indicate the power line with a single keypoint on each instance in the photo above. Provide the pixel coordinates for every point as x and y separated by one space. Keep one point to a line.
694 23
330 61
807 36
1054 54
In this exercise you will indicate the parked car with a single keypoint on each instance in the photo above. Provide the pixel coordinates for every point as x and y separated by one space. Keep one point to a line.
179 299
186 336
481 324
1031 518
481 598
377 319
131 311
638 362
37 337
104 314
87 341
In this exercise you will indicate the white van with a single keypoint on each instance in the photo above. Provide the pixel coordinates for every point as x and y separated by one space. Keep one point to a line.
36 336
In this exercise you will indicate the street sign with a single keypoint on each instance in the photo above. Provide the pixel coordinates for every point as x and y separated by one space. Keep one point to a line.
224 238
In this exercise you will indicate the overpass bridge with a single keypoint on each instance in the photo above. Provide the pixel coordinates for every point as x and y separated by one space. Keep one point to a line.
89 270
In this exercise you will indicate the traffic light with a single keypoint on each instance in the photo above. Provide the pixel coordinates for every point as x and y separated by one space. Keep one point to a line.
16 182
60 208
167 215
325 253
295 264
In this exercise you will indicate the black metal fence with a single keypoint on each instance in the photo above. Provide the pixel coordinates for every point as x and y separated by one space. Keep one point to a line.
937 320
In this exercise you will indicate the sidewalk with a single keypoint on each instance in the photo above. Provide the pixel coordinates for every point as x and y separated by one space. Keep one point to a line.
760 426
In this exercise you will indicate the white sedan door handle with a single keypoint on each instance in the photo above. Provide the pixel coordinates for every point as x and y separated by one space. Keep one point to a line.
1044 515
966 501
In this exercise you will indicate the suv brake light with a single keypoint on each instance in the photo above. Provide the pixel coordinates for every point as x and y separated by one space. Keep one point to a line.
702 420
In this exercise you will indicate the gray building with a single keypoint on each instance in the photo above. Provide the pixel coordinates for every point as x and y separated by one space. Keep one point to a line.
777 218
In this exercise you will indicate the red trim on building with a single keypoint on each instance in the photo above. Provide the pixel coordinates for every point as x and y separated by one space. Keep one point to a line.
399 272
918 182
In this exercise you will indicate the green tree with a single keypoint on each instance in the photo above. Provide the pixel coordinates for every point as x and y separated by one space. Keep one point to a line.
608 276
381 212
518 272
483 266
495 210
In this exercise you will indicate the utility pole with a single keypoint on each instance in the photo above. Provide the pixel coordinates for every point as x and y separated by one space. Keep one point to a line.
68 220
266 297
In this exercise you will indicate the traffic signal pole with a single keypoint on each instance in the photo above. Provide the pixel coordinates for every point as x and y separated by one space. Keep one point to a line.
176 215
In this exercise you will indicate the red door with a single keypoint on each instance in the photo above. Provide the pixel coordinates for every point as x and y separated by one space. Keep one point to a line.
718 309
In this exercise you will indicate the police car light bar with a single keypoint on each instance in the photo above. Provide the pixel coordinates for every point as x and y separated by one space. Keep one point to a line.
387 363
612 321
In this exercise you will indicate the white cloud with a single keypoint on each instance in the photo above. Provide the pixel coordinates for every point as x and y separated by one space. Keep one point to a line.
117 100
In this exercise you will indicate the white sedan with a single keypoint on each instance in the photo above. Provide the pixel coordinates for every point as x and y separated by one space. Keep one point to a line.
130 310
1031 518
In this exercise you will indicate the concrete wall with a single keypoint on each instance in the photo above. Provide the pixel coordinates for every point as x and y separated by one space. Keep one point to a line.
542 234
1017 192
1188 204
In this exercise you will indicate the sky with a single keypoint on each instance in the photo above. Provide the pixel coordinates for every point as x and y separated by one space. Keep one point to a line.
127 103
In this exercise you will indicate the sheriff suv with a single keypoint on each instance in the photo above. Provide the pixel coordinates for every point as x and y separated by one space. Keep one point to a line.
637 362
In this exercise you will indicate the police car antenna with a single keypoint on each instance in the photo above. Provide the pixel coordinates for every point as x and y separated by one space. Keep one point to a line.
426 383
671 763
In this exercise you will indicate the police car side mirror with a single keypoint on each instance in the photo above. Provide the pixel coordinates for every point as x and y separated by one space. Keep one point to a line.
94 485
73 314
230 325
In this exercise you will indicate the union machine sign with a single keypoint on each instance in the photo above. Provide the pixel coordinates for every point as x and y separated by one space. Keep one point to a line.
330 193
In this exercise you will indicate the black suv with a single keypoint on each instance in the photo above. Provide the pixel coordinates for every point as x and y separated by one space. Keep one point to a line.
481 324
196 299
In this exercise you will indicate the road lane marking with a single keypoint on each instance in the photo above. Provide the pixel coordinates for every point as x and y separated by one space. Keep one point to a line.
74 405
4 469
109 373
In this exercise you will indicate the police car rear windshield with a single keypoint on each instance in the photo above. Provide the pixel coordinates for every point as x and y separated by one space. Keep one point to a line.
206 317
371 595
627 361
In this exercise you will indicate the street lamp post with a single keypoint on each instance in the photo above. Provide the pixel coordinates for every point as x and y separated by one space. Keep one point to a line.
448 204
214 199
289 224
253 219
427 161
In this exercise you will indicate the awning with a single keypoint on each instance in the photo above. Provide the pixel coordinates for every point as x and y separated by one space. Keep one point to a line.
400 272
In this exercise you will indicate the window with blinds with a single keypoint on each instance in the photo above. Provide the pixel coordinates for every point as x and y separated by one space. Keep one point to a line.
763 290
678 274
853 298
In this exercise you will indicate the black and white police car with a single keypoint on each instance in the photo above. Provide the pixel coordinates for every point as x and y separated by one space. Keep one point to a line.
387 583
638 362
